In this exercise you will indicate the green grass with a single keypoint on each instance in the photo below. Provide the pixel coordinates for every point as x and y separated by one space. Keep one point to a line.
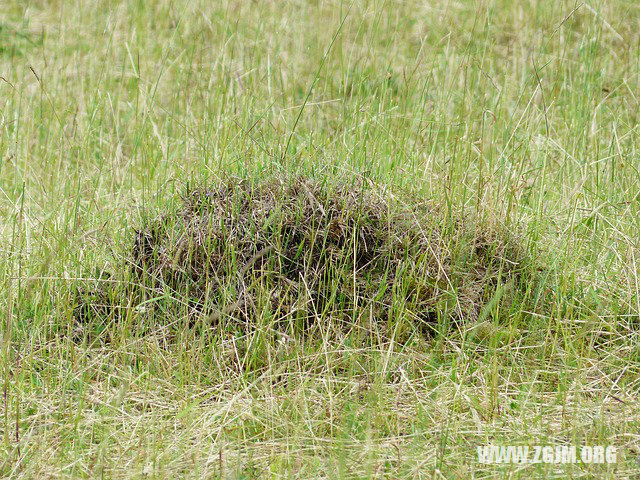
517 116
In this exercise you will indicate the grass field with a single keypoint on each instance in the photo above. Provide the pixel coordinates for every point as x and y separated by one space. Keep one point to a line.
511 121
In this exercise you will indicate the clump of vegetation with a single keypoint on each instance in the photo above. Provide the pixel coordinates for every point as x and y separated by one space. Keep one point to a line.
298 252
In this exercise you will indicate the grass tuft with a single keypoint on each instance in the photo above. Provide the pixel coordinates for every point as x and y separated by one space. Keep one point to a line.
302 252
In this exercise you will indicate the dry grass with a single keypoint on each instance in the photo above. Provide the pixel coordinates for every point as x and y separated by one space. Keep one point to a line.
301 253
508 132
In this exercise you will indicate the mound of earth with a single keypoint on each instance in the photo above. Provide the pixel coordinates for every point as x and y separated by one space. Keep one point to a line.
296 252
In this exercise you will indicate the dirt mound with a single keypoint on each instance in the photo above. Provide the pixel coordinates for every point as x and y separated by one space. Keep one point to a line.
295 252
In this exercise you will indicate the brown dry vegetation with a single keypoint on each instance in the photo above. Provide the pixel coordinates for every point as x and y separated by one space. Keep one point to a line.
298 252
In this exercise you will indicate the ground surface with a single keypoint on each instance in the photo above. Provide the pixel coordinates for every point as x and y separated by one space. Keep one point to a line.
514 115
